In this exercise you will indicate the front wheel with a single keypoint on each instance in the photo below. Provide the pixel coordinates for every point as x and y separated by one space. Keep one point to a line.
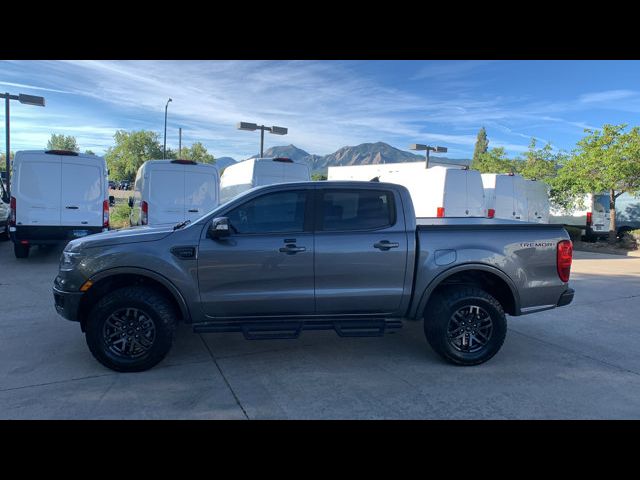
131 329
465 325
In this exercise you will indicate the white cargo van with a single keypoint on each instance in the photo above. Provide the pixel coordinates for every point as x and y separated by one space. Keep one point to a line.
592 217
56 196
506 196
167 192
442 191
4 213
260 171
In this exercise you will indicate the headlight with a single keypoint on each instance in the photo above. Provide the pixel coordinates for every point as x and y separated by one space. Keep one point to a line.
69 260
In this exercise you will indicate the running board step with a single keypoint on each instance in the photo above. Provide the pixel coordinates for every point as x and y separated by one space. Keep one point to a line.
289 329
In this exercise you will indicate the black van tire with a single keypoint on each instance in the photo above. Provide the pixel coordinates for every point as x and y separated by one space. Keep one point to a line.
20 250
147 311
462 300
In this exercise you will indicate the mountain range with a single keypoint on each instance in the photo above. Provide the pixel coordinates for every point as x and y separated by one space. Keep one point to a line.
363 154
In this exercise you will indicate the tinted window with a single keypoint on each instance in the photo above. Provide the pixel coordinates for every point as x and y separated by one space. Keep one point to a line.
357 210
271 213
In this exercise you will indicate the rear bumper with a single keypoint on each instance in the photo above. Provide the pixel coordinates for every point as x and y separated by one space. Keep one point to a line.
47 235
67 303
566 298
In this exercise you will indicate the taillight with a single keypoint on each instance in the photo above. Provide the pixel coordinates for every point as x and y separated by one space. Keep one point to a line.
564 259
491 213
12 213
144 216
440 212
105 214
589 218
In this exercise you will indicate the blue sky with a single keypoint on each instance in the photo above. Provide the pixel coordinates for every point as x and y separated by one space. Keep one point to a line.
325 104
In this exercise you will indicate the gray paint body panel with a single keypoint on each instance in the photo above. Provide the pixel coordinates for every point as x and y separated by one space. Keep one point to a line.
339 274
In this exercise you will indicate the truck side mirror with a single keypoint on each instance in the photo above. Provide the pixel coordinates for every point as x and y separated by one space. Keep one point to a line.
130 202
219 228
112 200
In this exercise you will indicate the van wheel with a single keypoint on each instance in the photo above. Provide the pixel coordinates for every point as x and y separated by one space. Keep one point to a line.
131 329
20 250
465 325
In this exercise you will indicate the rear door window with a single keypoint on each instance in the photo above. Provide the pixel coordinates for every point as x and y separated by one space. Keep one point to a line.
357 209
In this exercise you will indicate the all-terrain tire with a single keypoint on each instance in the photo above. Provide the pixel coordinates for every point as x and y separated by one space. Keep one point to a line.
454 308
142 310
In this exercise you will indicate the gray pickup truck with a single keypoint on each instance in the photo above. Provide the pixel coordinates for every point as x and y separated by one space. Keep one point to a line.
276 260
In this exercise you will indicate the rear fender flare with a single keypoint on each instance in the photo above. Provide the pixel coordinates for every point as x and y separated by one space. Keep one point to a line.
416 313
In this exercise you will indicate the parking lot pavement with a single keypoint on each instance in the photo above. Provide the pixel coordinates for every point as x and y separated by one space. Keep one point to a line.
580 361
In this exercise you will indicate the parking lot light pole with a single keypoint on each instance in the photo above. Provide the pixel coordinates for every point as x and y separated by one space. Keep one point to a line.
164 147
250 127
27 100
419 146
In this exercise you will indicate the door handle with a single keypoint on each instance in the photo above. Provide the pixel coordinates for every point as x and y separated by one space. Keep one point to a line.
194 210
386 245
71 207
291 249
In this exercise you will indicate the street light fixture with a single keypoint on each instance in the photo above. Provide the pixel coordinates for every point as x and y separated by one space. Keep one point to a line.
164 147
428 148
27 100
250 127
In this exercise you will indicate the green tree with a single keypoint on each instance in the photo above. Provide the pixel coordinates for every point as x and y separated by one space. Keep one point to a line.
494 161
197 153
130 151
482 144
89 152
63 142
606 160
539 164
316 177
3 160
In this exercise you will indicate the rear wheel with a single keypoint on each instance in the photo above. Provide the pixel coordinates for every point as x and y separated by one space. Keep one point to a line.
4 234
465 325
131 329
20 250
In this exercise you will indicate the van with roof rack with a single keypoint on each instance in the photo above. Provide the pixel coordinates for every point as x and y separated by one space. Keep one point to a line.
56 196
167 192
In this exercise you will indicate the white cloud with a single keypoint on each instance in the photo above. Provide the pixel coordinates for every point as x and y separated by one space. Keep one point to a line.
606 96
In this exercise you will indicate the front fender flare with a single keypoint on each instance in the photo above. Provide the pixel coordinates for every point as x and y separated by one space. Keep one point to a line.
143 272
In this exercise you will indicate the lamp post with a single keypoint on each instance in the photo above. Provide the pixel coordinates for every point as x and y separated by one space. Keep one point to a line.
164 147
253 126
419 146
27 100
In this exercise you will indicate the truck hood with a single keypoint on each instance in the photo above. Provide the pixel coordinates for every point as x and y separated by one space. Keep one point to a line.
119 237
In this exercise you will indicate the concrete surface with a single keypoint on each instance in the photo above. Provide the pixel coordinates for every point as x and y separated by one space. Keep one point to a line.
577 362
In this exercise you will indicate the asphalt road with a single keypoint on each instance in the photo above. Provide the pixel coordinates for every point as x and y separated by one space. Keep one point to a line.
577 362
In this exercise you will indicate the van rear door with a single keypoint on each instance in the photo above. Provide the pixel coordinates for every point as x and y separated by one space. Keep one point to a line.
83 194
38 190
166 194
455 193
201 192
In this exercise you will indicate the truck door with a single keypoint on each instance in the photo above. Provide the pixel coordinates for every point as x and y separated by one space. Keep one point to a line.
361 251
265 267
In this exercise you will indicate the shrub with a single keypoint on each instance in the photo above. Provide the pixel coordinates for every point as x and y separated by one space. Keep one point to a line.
574 233
119 215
